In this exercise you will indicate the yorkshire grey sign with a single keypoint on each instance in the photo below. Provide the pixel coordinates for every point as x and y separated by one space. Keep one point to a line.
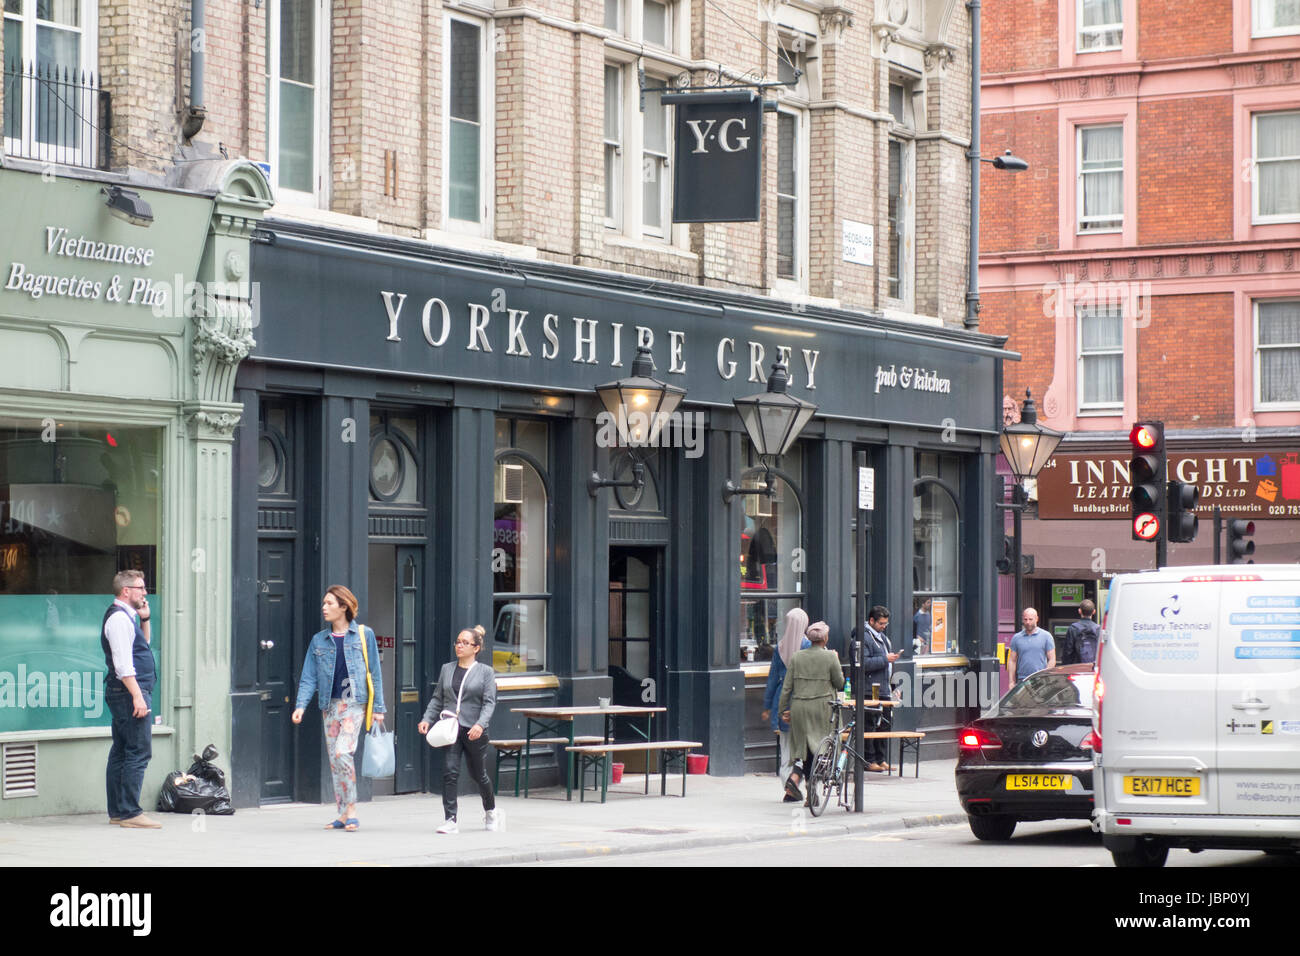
719 156
324 304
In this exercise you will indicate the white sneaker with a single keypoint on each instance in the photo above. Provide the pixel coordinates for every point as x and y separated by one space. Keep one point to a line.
449 827
491 820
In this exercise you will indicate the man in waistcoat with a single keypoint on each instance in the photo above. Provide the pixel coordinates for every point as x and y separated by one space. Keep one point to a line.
128 688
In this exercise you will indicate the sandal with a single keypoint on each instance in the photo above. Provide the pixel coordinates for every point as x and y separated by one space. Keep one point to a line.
792 788
335 825
351 824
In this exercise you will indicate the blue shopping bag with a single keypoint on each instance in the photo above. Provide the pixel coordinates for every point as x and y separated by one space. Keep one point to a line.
380 758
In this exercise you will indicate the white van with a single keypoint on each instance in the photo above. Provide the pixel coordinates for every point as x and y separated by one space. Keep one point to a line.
1197 712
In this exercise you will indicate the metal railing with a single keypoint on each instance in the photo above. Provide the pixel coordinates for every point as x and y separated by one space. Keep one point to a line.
57 115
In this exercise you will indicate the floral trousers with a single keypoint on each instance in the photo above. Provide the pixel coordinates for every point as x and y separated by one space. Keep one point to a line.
343 720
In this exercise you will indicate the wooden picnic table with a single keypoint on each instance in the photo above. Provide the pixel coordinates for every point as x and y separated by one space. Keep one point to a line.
559 722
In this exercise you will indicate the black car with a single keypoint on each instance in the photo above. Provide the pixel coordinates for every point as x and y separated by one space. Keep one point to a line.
1029 757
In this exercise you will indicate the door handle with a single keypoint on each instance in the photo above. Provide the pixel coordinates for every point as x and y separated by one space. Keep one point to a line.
1255 704
267 645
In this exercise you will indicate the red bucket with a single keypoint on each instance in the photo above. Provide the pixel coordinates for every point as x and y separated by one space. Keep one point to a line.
616 773
697 763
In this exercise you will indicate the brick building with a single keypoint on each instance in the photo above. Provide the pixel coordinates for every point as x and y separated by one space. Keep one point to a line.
1146 266
519 153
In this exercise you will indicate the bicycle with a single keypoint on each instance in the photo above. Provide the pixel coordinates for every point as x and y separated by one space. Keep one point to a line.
831 765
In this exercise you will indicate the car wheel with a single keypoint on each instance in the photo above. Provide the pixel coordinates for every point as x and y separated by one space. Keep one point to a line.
1142 853
992 827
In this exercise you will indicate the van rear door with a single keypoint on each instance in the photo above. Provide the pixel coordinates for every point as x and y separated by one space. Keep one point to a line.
1158 667
1257 707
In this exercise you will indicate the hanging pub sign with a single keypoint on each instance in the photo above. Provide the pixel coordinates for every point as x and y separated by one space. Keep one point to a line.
719 156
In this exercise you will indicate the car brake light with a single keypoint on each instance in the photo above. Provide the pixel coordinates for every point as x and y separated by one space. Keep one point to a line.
973 738
1098 697
1091 741
1222 577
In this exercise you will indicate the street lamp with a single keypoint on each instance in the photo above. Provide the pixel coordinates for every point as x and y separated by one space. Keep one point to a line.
1007 161
773 418
639 407
1027 446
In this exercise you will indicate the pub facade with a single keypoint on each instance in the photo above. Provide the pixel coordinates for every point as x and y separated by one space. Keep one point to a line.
420 424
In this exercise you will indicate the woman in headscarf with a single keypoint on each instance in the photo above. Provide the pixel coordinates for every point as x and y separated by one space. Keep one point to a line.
792 641
813 680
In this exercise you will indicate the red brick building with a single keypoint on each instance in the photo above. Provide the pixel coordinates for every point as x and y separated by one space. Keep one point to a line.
1146 264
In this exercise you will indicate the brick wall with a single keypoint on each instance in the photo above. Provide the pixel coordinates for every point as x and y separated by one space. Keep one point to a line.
385 87
1020 316
1169 29
1184 163
1018 211
139 56
1019 35
1185 361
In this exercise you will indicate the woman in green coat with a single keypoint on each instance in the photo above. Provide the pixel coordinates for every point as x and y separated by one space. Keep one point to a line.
811 683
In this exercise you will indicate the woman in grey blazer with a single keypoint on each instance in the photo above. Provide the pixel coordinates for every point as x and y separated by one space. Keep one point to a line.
475 684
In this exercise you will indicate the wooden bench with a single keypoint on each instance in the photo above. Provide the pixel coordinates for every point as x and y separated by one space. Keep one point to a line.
507 749
905 738
596 756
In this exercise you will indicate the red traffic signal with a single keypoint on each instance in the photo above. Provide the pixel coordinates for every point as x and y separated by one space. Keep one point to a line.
1147 474
1146 436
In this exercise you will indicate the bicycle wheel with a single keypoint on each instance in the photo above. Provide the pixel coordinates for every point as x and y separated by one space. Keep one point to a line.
821 776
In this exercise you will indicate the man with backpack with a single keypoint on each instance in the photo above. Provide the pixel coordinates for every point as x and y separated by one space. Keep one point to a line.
1082 637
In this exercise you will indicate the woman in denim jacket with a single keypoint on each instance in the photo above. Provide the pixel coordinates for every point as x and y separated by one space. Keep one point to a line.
339 679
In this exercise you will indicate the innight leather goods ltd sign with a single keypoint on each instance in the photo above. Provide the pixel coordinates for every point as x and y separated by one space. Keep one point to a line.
1242 482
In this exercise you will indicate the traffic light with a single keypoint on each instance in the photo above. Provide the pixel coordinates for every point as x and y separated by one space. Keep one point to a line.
1240 545
1180 511
1005 562
1147 472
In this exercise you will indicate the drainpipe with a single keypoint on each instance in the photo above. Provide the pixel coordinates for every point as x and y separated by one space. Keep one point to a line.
973 155
195 113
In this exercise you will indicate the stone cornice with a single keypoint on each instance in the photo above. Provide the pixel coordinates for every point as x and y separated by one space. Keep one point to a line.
1244 259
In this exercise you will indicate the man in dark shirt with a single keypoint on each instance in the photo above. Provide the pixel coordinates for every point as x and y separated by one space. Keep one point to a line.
1082 638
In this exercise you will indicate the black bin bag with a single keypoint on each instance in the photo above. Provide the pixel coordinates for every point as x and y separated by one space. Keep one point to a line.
201 788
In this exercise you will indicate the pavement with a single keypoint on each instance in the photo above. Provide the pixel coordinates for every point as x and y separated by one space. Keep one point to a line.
399 831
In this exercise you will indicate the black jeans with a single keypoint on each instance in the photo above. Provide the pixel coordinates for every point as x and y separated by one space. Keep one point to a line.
475 752
876 751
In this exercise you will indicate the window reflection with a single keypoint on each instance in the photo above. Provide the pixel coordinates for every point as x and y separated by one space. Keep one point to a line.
936 551
520 547
78 503
772 561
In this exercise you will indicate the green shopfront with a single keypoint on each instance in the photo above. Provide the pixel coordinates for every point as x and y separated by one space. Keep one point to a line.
117 348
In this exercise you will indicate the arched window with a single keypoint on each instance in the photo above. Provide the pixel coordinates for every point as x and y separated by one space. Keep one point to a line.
643 500
772 560
936 554
520 546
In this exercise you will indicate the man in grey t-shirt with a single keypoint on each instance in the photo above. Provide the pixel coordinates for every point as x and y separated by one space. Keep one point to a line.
1032 649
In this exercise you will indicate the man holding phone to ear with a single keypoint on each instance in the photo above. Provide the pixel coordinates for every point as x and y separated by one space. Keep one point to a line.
128 688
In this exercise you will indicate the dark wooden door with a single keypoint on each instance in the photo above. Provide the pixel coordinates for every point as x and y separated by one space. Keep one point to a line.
407 707
275 629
